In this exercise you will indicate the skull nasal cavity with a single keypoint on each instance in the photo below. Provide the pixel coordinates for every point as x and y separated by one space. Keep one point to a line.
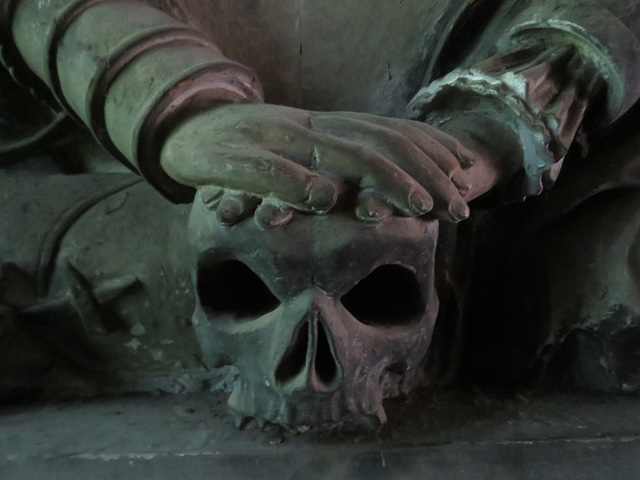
390 295
232 288
294 360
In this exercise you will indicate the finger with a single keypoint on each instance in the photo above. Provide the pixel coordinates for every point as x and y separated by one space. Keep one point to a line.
371 208
462 181
270 214
252 170
448 204
465 157
444 158
296 142
366 167
449 163
414 132
235 207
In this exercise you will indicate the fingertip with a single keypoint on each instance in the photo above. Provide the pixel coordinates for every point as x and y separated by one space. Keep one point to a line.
210 195
229 211
322 195
466 157
234 207
458 209
420 202
271 215
461 182
371 208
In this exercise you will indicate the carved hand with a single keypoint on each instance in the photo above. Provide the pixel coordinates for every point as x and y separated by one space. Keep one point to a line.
295 158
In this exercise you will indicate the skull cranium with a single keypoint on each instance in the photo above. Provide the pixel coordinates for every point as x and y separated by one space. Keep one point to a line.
323 317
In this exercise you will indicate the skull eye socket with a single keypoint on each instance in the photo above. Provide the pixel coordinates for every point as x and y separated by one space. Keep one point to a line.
390 295
231 288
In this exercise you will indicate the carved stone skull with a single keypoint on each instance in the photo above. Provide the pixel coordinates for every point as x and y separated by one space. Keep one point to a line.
323 317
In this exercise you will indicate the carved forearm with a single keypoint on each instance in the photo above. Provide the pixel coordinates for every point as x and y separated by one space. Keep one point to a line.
128 71
596 35
556 65
532 102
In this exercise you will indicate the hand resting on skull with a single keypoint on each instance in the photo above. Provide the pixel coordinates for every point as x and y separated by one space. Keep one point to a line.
269 159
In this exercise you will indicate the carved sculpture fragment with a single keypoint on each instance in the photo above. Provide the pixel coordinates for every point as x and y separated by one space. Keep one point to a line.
313 234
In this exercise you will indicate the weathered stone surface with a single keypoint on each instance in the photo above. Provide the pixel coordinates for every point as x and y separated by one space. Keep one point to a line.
471 436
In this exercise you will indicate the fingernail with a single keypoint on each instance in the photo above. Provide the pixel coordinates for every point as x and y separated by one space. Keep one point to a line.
466 158
458 209
420 203
269 215
322 195
463 186
210 196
